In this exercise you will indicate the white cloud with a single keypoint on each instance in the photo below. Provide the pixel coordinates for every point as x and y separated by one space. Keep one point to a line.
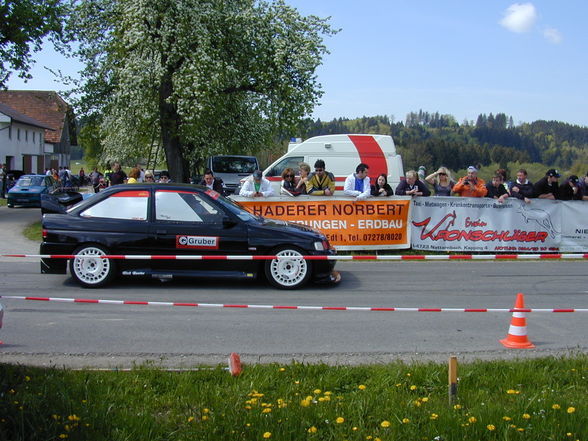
553 35
519 17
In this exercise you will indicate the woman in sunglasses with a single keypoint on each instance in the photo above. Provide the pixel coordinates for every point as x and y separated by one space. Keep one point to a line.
441 181
289 183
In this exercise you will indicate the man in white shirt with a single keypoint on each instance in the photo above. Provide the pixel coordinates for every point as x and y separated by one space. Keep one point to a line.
358 184
256 186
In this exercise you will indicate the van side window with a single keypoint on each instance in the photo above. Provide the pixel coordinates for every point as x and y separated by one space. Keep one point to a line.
291 162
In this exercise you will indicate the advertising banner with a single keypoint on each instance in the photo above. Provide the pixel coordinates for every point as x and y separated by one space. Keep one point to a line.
482 224
574 234
348 224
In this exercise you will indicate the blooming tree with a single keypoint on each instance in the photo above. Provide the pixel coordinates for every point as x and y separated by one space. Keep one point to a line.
196 77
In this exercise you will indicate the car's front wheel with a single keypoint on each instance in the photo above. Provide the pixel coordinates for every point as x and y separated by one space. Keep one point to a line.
91 271
290 271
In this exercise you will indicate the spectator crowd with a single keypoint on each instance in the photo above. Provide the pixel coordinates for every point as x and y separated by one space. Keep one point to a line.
359 186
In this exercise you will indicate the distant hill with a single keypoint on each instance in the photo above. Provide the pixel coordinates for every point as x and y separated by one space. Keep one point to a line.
431 139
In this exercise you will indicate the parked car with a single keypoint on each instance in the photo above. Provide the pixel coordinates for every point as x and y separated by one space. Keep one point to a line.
176 220
28 190
60 201
232 169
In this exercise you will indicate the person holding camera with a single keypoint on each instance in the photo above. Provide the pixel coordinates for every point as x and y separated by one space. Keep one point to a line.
471 186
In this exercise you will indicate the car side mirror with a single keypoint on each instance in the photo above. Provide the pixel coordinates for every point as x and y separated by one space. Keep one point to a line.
228 222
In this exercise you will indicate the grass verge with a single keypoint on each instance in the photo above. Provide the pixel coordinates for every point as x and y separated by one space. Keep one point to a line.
33 232
538 399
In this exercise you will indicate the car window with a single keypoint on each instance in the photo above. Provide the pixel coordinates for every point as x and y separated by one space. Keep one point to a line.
291 162
231 164
185 206
30 181
130 205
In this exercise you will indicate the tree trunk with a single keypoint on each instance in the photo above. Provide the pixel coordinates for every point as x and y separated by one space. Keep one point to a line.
170 134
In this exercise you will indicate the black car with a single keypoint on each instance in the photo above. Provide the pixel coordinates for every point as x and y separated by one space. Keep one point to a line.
176 220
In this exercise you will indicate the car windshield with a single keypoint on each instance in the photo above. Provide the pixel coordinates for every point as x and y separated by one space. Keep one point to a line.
236 209
30 181
233 164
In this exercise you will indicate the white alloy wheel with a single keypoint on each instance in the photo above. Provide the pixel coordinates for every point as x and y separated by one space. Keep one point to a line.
290 271
91 272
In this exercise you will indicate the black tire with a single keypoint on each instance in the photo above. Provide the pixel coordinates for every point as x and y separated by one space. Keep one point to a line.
287 273
92 272
10 205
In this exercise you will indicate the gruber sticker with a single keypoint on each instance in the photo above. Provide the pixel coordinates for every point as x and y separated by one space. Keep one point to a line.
201 242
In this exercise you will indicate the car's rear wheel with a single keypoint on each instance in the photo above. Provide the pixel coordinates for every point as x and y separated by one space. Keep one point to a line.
290 271
91 271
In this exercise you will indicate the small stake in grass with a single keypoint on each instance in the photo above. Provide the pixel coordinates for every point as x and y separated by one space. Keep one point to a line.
235 367
452 379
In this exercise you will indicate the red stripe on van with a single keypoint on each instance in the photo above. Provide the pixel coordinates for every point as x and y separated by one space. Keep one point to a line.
370 153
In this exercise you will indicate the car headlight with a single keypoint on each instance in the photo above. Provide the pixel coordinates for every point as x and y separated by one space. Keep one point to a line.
321 246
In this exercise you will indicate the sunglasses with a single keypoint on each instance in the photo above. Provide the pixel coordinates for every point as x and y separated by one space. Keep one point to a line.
288 176
442 174
319 169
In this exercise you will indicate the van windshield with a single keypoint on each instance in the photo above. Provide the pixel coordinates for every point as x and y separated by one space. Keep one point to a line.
233 164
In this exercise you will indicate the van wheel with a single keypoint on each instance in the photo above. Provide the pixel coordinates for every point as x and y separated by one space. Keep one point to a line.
291 271
91 272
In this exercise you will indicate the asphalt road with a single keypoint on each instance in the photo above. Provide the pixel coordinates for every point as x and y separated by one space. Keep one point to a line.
80 335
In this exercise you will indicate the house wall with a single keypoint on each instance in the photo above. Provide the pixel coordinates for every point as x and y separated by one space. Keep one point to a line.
21 147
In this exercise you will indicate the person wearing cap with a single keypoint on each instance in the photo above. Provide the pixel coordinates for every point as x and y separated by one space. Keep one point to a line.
471 186
412 186
256 186
358 184
521 188
321 182
570 189
548 186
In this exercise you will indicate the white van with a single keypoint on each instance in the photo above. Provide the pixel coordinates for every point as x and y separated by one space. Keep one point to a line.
341 153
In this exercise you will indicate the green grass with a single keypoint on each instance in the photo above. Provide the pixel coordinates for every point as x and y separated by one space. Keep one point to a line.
33 232
539 399
3 202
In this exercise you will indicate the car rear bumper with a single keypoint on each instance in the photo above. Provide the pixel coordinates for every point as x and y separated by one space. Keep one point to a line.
24 201
53 266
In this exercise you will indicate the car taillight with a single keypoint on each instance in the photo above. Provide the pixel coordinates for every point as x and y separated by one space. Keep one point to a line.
44 231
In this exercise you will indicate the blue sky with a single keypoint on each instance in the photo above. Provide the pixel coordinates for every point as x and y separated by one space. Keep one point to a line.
463 58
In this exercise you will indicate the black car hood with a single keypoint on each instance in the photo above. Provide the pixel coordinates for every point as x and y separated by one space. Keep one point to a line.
287 226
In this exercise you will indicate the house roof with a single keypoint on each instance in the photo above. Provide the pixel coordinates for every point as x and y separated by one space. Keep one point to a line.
19 117
46 107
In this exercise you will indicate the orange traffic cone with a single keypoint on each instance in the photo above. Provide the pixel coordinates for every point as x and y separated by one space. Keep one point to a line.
235 367
517 333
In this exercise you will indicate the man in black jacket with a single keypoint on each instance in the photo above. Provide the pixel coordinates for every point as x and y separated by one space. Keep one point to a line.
548 186
496 190
522 188
211 182
570 189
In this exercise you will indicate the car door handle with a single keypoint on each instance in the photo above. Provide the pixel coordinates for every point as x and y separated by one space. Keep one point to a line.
160 231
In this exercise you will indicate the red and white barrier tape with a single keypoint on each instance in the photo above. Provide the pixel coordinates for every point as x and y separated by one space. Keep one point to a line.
322 257
276 307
